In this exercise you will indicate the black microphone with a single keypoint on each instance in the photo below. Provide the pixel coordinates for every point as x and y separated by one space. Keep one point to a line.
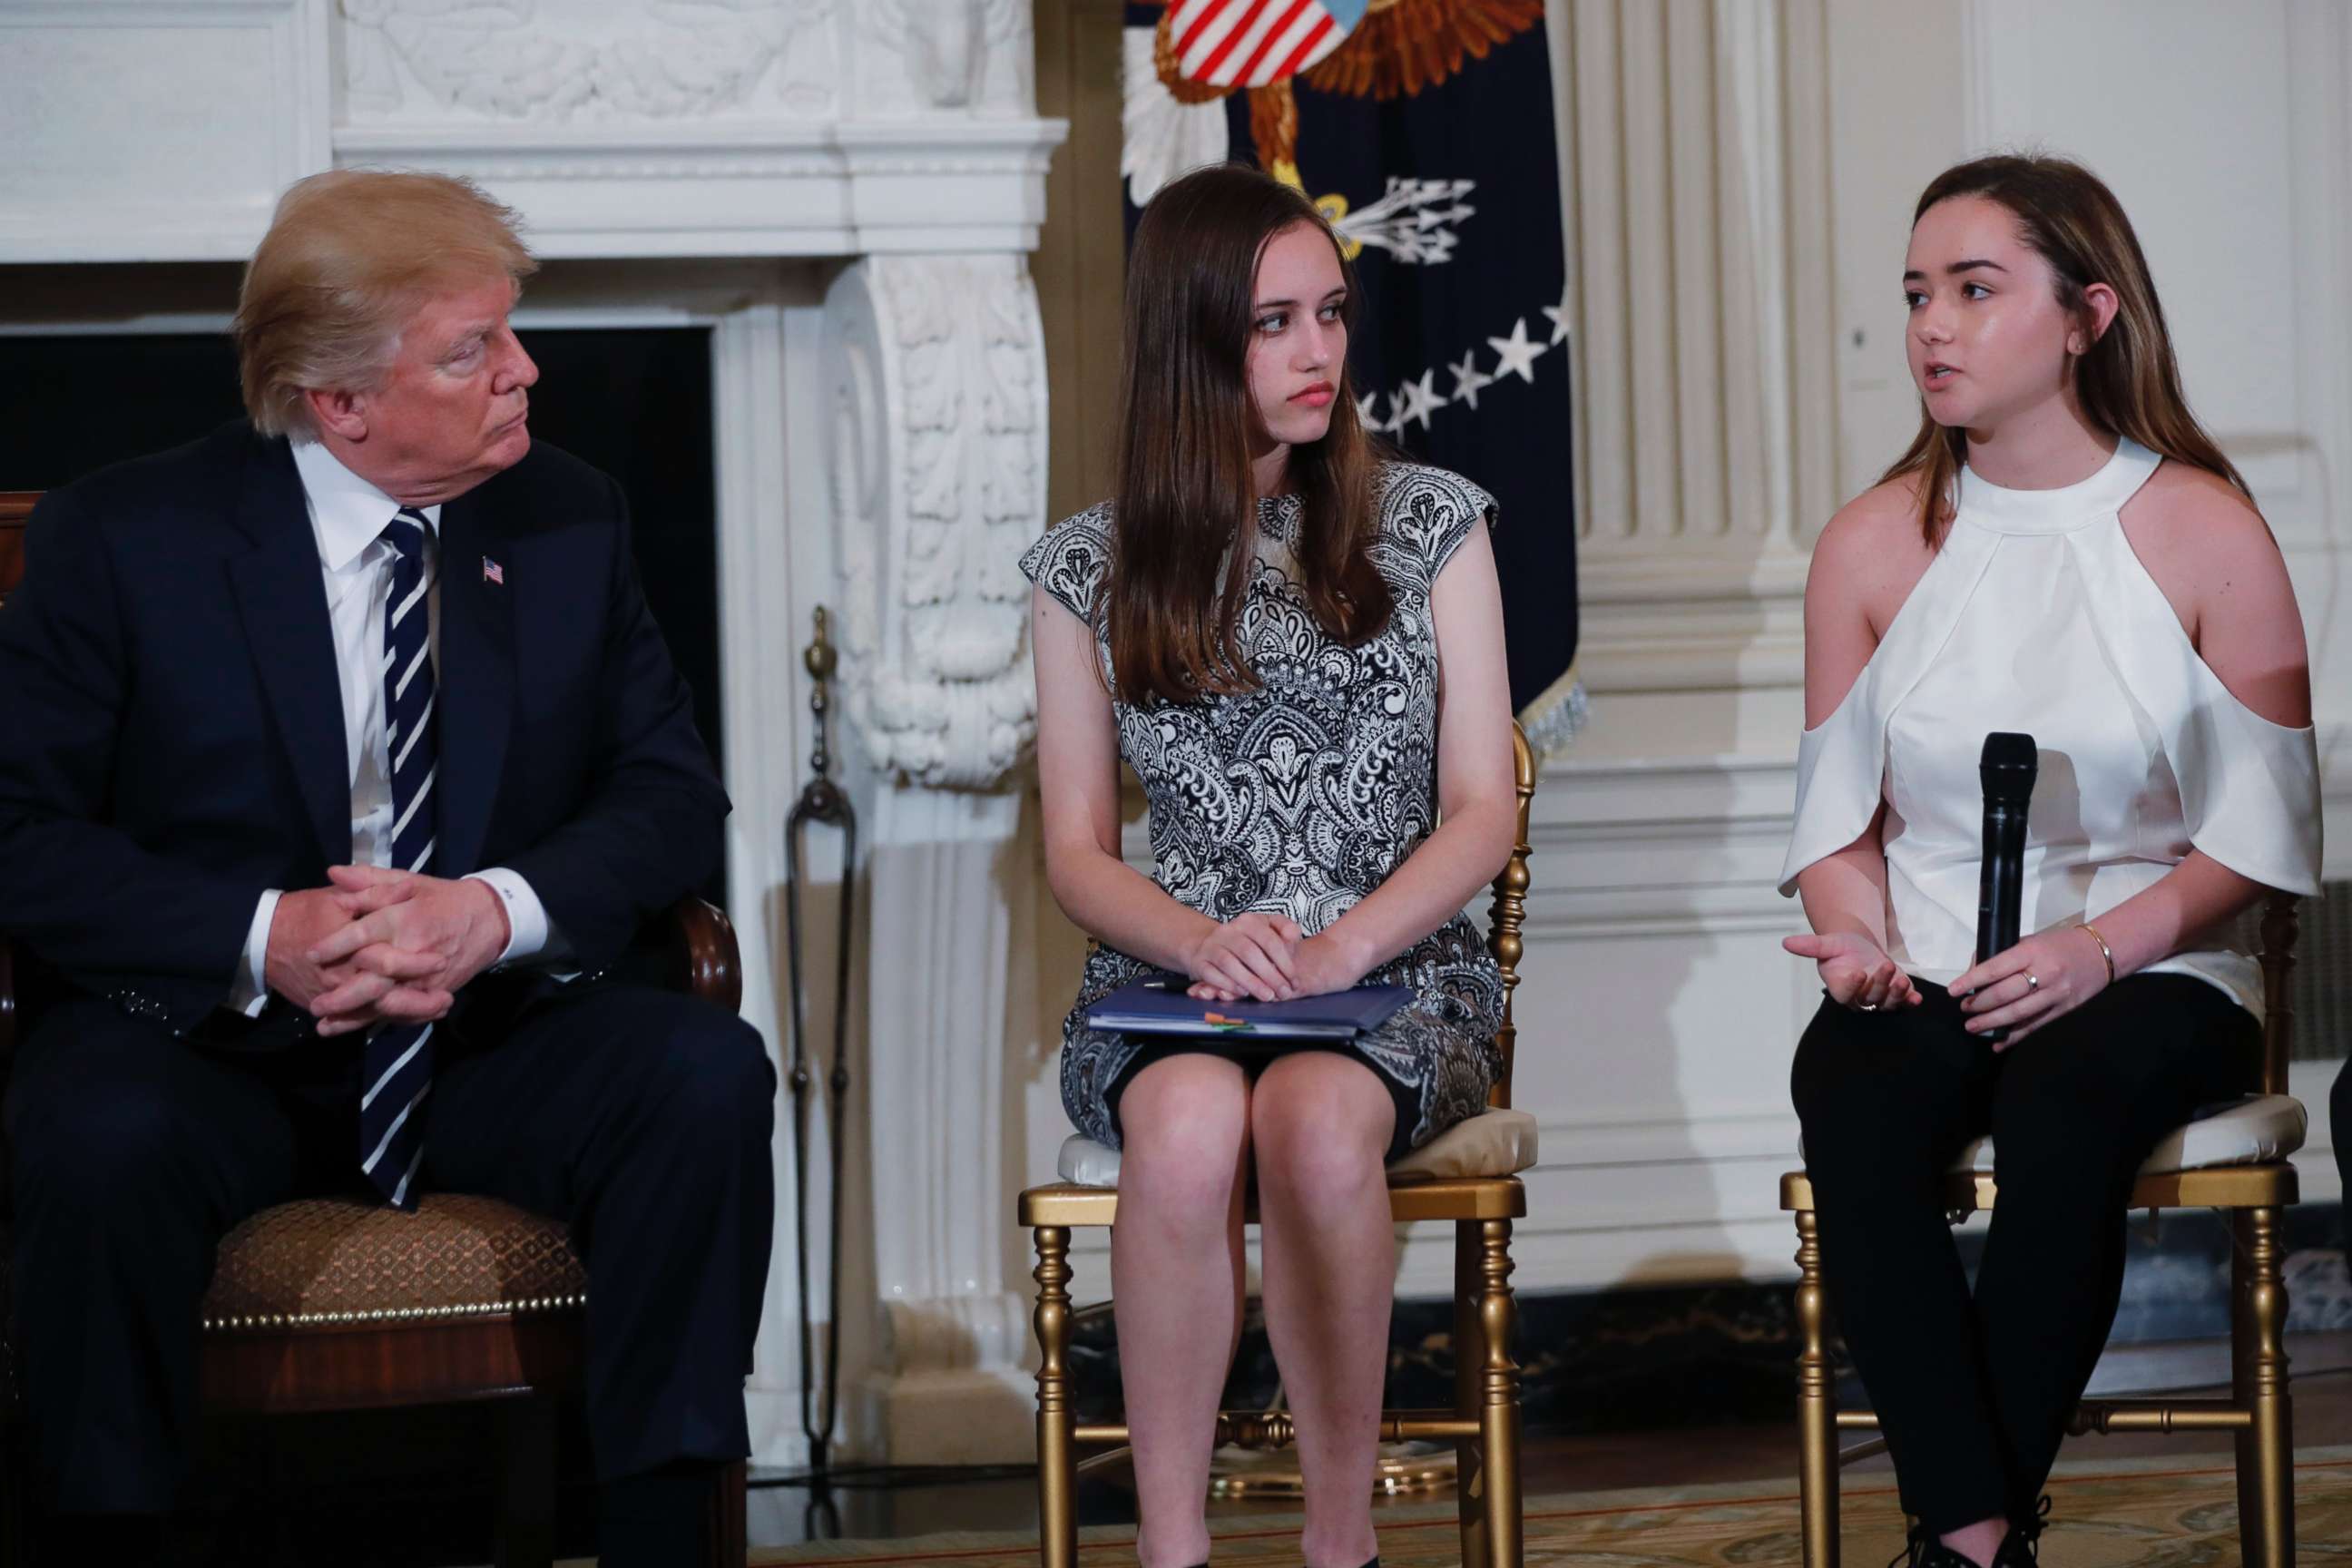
2007 766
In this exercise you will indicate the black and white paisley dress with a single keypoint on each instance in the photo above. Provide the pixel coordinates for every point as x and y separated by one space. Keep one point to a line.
1300 796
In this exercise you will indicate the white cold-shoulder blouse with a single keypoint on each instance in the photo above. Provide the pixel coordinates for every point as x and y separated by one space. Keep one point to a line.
2036 617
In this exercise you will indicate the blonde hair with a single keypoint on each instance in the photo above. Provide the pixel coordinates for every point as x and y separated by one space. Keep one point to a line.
349 257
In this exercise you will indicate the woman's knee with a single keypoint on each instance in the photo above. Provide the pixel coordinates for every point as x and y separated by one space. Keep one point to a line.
1320 1127
1183 1124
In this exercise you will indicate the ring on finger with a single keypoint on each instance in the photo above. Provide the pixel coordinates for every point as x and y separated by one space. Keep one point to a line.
2032 983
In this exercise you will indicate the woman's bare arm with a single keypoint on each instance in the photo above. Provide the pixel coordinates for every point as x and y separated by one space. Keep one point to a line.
1078 767
1477 796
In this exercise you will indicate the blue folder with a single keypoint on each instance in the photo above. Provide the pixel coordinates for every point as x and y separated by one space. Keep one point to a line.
1160 1006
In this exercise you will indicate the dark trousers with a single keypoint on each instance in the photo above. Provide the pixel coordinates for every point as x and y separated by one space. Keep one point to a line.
1973 1393
639 1117
2339 1130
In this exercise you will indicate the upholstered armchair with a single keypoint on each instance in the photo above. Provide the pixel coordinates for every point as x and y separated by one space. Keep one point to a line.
335 1304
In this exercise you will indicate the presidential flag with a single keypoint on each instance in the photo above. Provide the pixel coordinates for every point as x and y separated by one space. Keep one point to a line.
1424 130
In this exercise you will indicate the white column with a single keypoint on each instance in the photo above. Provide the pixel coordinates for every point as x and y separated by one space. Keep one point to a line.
952 1382
1695 137
936 370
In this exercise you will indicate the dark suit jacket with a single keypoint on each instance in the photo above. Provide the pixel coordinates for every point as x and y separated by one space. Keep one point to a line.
171 732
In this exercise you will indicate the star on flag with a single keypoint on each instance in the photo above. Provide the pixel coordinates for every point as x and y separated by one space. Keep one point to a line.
1515 355
1468 379
1420 400
1415 399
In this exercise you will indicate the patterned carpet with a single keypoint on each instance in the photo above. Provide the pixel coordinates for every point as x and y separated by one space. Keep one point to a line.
2118 1514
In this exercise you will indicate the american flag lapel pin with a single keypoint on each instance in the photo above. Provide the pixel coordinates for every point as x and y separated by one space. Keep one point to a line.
493 572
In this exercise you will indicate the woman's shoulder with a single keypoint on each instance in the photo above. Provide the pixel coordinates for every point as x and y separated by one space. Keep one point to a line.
1407 489
1428 513
1093 523
2197 524
1869 558
1070 559
1874 541
2207 548
1880 518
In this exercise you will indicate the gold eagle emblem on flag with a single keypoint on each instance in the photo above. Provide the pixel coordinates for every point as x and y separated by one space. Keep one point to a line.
1205 49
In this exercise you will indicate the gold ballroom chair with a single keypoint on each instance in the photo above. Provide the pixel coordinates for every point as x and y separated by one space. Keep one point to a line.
1467 1176
332 1304
2235 1161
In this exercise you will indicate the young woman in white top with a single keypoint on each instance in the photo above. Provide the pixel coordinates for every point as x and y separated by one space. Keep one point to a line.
2062 552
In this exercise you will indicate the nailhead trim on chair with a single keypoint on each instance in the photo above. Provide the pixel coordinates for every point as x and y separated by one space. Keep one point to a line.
381 1315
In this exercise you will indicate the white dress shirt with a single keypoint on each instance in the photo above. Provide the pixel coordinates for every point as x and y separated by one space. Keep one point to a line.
349 515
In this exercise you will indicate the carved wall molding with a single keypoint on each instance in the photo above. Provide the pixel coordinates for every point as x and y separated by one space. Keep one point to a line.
524 61
808 165
970 57
936 366
558 60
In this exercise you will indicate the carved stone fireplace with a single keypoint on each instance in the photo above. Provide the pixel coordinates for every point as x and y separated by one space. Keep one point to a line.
844 193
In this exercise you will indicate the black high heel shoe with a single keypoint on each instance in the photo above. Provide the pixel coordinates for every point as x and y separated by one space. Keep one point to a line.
1922 1550
2021 1547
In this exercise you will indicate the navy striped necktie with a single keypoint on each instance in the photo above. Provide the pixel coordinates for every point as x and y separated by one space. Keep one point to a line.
397 1060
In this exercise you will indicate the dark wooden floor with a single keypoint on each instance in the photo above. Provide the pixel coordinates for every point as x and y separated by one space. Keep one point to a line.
2322 1365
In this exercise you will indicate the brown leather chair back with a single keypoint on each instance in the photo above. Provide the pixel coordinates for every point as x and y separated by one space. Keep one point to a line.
16 506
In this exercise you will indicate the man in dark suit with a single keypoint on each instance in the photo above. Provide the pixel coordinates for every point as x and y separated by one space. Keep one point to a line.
339 756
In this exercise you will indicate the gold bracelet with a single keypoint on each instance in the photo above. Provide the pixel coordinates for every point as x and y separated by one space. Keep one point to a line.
2105 950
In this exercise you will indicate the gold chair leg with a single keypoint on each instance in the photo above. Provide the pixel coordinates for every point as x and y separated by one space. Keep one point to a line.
1817 1457
1058 1513
1469 1369
2273 1433
1498 1391
2241 1388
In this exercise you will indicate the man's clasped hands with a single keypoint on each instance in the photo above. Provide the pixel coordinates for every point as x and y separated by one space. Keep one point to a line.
381 946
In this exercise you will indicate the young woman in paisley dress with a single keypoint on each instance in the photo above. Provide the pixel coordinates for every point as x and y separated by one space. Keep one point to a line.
1298 647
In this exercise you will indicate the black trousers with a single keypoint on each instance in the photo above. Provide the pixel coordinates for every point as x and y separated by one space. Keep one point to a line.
1973 1393
639 1117
2340 1128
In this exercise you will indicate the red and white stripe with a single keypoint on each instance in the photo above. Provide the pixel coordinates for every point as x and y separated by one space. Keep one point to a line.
1249 43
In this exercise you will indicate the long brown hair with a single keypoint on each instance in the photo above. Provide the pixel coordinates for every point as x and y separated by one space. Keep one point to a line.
2127 381
1184 531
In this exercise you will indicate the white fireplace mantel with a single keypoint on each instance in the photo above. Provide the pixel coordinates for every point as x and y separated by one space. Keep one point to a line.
879 450
732 128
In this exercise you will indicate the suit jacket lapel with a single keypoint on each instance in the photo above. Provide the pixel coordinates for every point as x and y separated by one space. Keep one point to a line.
474 680
283 600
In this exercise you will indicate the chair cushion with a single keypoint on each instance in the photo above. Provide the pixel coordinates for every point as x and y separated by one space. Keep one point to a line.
2253 1131
325 1262
1491 1143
